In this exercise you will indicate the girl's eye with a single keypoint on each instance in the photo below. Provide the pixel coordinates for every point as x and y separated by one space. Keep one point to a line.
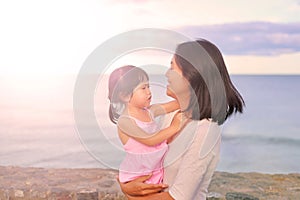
146 87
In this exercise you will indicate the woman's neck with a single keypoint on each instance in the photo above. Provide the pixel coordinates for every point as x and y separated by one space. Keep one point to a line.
183 100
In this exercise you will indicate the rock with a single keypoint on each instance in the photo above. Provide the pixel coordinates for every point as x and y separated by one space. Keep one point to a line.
214 196
87 195
19 183
19 193
239 196
4 195
106 184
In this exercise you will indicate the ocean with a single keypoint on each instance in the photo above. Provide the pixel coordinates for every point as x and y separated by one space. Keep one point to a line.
37 126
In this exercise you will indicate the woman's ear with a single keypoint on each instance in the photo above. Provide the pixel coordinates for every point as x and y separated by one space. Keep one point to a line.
125 97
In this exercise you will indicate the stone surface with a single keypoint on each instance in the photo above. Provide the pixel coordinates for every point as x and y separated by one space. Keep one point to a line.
239 196
261 186
43 183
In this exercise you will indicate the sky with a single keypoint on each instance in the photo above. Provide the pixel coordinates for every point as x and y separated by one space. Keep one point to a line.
55 37
42 42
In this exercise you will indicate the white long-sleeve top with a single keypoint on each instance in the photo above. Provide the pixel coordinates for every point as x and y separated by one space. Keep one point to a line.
192 159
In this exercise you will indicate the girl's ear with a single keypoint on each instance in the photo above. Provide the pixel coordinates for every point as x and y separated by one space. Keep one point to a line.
125 97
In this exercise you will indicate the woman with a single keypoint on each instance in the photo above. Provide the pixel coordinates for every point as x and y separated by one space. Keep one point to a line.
199 80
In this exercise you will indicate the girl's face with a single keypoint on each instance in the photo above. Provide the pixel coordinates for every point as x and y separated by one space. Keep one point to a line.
141 96
177 84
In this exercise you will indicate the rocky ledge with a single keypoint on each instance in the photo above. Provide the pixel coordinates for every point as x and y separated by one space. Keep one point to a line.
79 184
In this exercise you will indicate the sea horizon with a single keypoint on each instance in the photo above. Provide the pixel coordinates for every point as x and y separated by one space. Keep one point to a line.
38 128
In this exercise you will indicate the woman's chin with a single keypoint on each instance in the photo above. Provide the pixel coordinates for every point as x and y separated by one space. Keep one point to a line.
170 93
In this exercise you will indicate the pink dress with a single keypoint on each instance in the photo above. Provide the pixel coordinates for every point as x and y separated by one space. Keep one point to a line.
141 159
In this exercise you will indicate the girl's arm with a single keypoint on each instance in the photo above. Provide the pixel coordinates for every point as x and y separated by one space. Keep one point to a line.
128 127
163 108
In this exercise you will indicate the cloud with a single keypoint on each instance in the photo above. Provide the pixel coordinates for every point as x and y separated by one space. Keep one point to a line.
132 1
251 38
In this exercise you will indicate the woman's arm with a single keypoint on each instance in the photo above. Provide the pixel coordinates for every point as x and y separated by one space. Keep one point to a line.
138 190
128 127
138 187
163 108
156 196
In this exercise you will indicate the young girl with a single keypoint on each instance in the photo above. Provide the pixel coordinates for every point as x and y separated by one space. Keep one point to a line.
130 109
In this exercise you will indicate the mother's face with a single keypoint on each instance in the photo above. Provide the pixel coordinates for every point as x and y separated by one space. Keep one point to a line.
177 84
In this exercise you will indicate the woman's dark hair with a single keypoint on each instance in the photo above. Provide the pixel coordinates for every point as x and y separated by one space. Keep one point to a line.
213 95
122 81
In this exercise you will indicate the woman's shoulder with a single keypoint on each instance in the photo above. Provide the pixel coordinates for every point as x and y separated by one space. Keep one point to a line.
206 124
200 132
207 127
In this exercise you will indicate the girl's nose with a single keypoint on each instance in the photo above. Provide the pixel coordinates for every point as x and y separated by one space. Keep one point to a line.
148 91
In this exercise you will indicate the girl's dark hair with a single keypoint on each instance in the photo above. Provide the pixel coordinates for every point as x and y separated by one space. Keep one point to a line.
122 81
213 95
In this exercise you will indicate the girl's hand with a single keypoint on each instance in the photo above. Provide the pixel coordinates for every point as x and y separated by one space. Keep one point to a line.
179 121
137 187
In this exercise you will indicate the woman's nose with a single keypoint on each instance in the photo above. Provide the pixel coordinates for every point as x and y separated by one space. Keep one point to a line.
167 73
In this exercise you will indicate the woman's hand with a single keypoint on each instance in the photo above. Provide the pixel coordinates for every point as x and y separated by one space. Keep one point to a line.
137 187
